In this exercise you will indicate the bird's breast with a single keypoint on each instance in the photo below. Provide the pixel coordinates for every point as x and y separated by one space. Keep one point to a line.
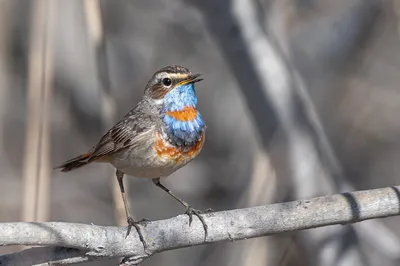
177 154
183 127
187 114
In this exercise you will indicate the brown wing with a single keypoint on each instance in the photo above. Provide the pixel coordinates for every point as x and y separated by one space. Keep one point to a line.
116 139
135 127
127 133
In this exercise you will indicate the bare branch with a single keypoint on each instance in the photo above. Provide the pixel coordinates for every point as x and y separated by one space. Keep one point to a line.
37 163
81 242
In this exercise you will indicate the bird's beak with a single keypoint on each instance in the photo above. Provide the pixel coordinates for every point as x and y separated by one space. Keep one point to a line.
191 79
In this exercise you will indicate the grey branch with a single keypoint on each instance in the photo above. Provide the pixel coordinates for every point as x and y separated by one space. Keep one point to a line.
69 243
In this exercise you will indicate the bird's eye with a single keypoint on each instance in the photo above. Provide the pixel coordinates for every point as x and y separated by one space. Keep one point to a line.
167 82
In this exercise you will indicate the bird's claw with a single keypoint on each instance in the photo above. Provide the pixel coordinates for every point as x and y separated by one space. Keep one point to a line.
144 221
190 211
131 222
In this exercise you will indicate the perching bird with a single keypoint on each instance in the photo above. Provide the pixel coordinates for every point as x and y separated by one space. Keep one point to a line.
161 134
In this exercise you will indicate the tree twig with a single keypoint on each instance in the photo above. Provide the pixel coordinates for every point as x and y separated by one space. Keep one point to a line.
94 21
80 242
37 159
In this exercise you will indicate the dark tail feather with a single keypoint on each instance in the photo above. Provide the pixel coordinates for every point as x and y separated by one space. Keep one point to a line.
74 163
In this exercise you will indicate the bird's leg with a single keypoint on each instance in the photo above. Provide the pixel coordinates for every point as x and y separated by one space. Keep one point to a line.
130 220
189 209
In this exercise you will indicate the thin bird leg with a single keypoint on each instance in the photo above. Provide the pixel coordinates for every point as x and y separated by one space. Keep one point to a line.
130 220
189 209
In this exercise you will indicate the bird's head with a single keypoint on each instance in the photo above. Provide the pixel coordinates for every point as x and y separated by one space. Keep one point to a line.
173 86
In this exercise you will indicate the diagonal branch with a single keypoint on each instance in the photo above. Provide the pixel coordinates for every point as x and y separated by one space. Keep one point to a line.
72 243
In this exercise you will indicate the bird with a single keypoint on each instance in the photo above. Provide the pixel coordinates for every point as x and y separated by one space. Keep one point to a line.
161 134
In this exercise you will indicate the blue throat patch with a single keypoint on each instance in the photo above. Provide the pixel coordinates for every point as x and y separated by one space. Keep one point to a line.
182 133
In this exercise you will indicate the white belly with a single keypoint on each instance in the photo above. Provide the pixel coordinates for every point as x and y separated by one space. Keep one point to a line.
154 158
145 163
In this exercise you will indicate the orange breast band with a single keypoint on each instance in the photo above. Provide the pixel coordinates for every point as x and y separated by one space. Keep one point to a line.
162 149
189 113
177 154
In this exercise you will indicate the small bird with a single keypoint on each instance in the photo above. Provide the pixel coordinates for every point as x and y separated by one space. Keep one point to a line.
161 134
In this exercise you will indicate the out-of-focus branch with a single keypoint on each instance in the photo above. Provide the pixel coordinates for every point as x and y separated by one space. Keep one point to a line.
37 163
363 14
81 242
94 18
4 71
278 100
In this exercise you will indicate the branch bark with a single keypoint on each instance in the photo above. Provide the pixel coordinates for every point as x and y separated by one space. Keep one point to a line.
73 243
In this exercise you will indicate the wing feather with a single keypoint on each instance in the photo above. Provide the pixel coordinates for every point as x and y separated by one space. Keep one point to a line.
129 132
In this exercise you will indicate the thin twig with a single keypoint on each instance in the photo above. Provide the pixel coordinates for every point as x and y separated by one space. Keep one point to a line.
37 158
4 69
94 19
103 242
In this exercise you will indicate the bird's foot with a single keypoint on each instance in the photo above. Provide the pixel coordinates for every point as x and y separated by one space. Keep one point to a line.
190 211
143 221
132 222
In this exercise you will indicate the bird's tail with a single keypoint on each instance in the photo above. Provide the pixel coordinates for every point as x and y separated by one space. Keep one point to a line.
75 163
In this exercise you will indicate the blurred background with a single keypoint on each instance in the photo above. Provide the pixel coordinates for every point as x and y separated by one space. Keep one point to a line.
300 98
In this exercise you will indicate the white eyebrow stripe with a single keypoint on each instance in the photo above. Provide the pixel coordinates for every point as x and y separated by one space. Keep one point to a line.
179 75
